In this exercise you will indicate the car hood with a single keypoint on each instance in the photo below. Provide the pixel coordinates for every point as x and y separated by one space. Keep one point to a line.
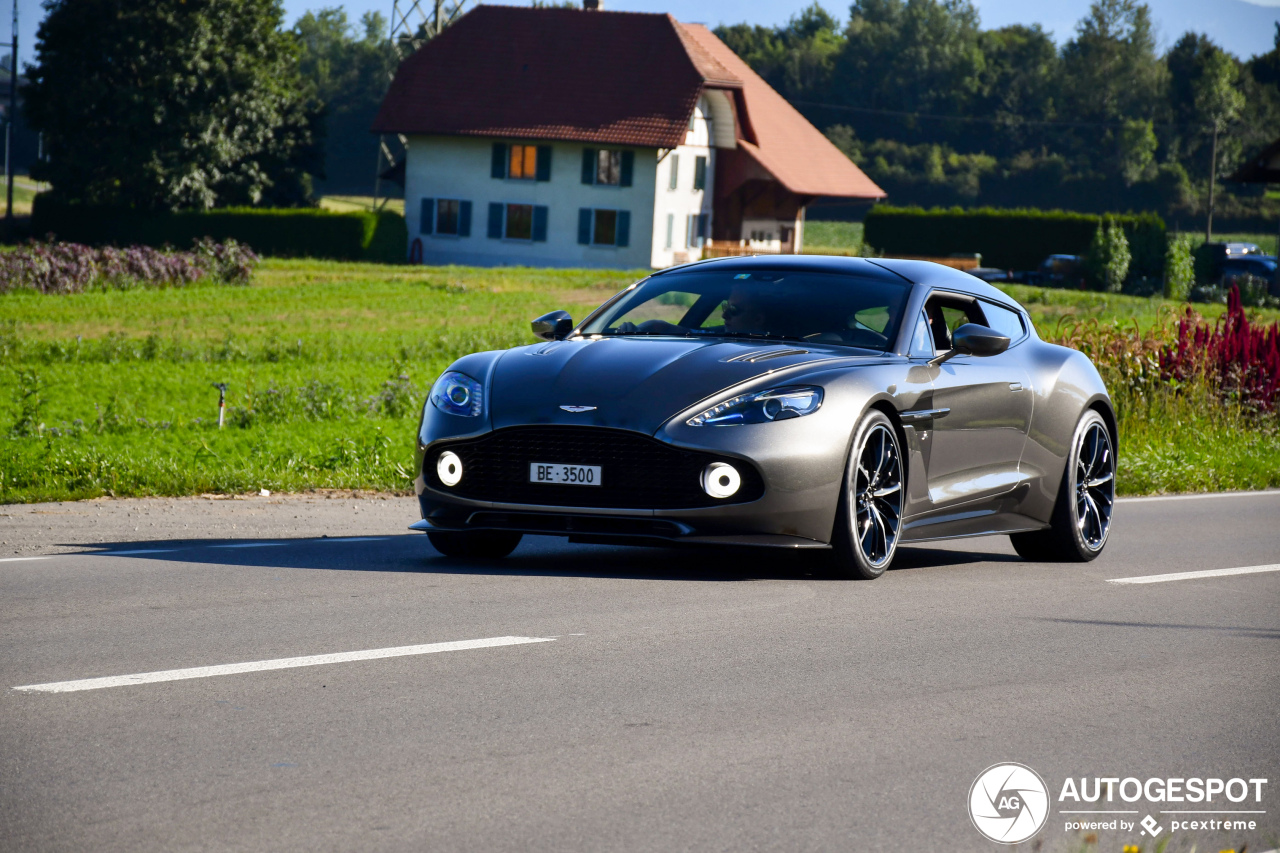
633 383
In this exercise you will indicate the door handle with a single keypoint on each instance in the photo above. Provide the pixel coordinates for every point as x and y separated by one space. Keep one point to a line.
1015 386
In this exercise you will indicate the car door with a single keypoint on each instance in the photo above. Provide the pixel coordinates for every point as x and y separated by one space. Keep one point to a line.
983 406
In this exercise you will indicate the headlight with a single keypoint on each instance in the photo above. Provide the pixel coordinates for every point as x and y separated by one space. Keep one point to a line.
776 404
458 394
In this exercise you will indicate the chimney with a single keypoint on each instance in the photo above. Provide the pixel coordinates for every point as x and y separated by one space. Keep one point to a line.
591 5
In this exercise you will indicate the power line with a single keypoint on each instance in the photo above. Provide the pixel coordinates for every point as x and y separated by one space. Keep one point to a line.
989 119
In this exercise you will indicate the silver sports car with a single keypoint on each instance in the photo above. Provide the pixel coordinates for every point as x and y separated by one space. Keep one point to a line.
839 405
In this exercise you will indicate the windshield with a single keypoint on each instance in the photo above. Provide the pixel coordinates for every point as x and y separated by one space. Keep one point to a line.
813 307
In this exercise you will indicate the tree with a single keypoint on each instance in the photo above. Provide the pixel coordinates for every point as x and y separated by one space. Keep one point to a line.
1110 70
171 104
350 68
1108 258
1179 268
1219 101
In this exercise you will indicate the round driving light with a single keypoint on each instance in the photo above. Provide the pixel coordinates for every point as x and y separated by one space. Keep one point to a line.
449 468
458 395
721 480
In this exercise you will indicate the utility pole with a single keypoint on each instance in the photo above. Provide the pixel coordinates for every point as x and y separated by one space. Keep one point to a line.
411 27
10 115
1213 179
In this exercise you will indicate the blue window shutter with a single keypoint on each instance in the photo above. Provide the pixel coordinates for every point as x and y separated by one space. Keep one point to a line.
624 227
498 167
427 221
700 173
464 219
628 164
703 221
589 165
584 225
539 223
544 164
495 221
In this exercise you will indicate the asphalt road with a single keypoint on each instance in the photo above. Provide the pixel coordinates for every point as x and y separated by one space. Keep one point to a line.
681 700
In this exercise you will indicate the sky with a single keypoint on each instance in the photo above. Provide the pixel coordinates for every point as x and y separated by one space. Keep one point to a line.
1245 28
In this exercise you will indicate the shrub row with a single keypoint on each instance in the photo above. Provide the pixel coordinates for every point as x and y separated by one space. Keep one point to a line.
1016 239
279 232
54 268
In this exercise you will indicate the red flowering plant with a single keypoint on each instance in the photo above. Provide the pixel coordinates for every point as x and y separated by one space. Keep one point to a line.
1239 358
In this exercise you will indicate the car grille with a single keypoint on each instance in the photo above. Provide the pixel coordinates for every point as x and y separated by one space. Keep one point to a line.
637 472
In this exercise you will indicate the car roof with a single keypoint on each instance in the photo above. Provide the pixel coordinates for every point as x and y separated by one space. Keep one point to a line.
882 269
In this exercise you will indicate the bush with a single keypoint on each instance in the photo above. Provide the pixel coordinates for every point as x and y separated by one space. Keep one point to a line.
1010 238
1179 268
1107 262
73 268
279 232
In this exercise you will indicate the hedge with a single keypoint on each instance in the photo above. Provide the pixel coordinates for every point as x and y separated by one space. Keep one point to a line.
279 232
1015 239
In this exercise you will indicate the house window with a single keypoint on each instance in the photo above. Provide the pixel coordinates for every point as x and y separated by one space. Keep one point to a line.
605 232
697 230
671 228
675 172
606 168
700 173
518 222
604 227
521 162
445 216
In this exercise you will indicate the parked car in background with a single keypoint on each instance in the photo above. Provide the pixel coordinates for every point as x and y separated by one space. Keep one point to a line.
991 274
1260 266
1060 271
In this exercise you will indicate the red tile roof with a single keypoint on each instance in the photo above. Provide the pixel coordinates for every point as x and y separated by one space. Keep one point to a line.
786 144
618 78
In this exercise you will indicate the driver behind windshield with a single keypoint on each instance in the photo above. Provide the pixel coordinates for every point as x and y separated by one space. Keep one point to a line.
748 309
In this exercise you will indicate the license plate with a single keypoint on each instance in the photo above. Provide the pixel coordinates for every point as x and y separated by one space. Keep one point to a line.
568 475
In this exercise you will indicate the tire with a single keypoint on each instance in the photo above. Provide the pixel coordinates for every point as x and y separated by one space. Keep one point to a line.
869 514
1082 514
479 544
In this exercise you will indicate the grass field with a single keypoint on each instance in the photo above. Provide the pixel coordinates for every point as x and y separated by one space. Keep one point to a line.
348 203
24 191
327 365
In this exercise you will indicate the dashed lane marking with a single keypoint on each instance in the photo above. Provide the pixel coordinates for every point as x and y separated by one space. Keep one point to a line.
280 663
1189 576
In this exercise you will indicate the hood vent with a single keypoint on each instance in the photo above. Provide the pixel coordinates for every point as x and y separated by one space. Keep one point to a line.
764 355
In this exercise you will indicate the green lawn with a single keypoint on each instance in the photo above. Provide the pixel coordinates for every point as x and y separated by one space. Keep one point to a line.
327 365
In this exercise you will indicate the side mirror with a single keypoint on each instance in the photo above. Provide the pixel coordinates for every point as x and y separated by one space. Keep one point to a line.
558 324
972 339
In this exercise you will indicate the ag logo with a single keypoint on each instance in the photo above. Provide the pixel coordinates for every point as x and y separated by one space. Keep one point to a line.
1008 803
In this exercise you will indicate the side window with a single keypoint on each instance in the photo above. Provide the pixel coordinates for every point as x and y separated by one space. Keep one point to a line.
922 339
946 313
1004 321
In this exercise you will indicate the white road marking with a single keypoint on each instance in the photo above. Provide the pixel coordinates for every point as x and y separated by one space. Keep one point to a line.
280 663
1188 576
20 559
1265 493
252 545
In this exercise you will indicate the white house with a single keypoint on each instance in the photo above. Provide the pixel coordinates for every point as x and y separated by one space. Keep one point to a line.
564 137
